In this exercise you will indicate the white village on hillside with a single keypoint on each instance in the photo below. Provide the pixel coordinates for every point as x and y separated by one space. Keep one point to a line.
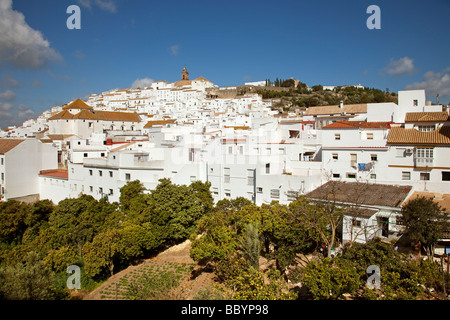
375 156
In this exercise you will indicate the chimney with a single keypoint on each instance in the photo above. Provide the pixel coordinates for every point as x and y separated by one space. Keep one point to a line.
341 104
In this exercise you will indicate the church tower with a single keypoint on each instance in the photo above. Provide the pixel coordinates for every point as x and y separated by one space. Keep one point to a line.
184 74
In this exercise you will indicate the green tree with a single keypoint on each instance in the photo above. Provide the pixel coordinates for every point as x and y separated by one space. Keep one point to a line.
425 221
12 221
130 193
105 250
202 191
69 218
29 280
174 210
250 245
323 218
330 279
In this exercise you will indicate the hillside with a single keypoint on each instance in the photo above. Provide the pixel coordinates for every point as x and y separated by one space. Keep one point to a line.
289 96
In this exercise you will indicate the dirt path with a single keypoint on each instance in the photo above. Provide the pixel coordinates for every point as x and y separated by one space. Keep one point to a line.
178 253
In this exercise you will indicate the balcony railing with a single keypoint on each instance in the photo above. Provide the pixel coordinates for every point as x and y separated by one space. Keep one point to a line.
423 162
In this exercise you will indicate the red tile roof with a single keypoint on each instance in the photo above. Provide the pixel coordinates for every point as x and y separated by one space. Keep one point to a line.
402 136
426 117
9 144
361 193
77 104
61 174
358 124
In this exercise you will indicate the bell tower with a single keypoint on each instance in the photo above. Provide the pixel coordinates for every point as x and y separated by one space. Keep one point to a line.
184 74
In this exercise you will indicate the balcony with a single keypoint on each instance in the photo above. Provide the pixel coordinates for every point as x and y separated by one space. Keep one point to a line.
423 162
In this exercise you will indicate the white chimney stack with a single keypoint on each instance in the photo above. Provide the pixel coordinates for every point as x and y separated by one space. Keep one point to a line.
341 105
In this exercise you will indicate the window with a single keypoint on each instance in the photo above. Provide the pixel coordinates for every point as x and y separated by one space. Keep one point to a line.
373 176
373 157
100 190
336 175
406 175
250 178
259 190
127 177
428 128
369 136
3 176
424 176
415 102
100 173
294 134
230 150
356 223
91 188
111 192
90 172
424 156
85 155
267 168
445 175
353 159
275 193
337 136
193 178
102 154
1 161
335 156
228 193
111 174
351 175
226 175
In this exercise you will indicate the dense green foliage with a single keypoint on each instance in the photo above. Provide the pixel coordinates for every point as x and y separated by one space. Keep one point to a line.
424 222
98 236
301 96
39 241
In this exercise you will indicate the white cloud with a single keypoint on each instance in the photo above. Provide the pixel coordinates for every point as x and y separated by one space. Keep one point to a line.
8 95
142 83
105 5
21 45
434 83
36 84
8 82
174 50
12 115
400 67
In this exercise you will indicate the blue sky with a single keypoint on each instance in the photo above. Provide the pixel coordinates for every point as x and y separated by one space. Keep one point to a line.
44 64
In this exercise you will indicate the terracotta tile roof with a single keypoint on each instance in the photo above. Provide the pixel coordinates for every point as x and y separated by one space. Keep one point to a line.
159 123
358 193
58 136
182 83
9 144
335 109
442 199
77 104
202 79
98 115
426 117
402 136
358 124
63 115
61 174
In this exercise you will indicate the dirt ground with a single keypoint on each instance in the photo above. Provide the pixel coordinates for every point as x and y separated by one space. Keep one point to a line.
178 253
